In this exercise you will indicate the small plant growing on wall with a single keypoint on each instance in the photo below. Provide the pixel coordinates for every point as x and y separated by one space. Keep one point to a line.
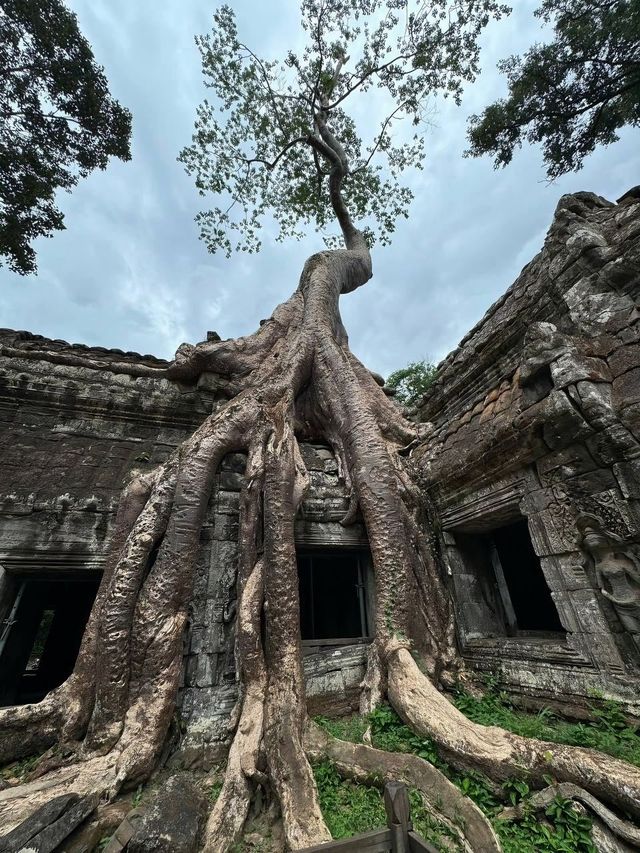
411 382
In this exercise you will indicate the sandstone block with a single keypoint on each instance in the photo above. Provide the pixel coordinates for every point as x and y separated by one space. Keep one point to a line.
171 823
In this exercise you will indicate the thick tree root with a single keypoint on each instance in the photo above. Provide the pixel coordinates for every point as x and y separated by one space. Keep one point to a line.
29 729
285 707
227 819
541 799
366 764
294 379
95 776
500 754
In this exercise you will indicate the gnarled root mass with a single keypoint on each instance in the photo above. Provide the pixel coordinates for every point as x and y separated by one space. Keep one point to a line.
500 754
373 766
293 379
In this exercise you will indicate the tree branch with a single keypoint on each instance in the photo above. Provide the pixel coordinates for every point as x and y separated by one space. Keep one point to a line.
385 124
376 70
332 151
272 164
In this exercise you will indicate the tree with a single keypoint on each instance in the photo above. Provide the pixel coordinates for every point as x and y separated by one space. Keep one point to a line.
58 121
571 94
289 149
411 382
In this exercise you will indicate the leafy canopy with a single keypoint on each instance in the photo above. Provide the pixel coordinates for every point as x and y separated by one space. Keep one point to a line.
58 121
572 94
411 382
258 145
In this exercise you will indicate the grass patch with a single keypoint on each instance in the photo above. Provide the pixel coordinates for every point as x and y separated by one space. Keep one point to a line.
350 808
564 831
345 728
213 782
17 771
607 730
213 791
137 796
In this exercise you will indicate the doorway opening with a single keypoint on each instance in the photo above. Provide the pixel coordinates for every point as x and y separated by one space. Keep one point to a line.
333 594
503 589
40 638
522 585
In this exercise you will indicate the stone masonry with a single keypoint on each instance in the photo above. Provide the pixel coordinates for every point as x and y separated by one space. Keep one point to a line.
537 416
536 420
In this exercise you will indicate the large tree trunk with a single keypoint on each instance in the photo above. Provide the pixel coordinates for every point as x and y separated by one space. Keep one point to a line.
294 378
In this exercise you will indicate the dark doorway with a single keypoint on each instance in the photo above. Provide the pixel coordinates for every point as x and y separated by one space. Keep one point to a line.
332 594
500 585
40 639
525 595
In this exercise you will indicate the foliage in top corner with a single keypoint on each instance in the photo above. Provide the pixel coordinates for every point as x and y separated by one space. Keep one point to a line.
58 121
571 94
257 144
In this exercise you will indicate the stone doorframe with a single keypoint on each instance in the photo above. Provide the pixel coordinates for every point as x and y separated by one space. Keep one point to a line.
589 642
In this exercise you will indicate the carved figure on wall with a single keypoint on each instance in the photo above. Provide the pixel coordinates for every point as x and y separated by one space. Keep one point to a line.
617 570
608 509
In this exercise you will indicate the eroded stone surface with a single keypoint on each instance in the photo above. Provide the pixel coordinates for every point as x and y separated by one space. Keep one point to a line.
172 821
536 415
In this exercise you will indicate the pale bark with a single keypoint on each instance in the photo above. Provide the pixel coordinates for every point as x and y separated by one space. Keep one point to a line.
285 708
500 754
293 378
227 819
117 705
373 766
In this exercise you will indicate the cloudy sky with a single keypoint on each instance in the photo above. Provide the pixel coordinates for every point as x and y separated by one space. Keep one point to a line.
130 271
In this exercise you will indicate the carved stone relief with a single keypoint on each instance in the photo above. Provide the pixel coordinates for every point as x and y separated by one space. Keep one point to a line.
617 570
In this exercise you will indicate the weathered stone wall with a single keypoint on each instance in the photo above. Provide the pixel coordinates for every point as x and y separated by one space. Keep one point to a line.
333 674
70 433
537 414
68 436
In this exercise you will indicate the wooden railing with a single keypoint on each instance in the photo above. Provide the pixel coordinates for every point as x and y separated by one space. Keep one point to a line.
397 837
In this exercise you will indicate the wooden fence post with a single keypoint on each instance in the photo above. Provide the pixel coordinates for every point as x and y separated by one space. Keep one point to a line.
396 803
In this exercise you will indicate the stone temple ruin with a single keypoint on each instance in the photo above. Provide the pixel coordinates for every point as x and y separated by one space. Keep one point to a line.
531 472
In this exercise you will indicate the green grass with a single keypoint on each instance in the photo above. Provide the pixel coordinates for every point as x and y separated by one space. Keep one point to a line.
607 730
137 796
213 791
17 771
565 830
350 808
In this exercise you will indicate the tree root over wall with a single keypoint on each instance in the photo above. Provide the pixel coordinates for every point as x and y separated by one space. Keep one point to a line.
294 379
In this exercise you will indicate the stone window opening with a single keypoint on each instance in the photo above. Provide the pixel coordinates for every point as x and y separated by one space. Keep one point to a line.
522 586
41 633
334 586
503 588
40 641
